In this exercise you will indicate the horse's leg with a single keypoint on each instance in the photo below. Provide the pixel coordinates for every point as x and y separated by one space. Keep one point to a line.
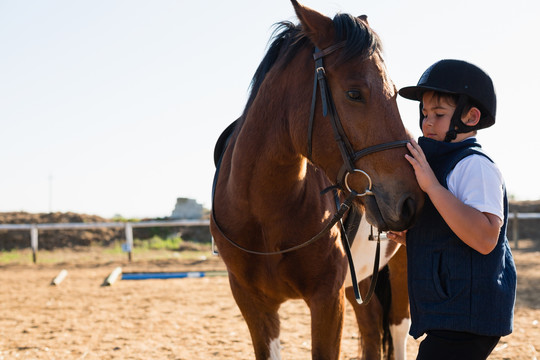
399 316
261 316
369 318
327 311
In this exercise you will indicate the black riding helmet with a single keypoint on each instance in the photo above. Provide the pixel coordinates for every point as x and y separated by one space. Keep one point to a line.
470 83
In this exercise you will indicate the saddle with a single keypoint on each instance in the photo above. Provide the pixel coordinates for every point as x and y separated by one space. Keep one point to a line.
223 141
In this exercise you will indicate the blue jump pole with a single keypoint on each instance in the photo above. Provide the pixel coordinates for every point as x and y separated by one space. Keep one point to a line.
170 275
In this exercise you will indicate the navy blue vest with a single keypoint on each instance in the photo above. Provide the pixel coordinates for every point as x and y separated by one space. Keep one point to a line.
451 285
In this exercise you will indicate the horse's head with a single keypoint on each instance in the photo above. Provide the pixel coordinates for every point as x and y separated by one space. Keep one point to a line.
355 111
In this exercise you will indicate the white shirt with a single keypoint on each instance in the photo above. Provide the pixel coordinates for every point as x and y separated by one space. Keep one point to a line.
477 182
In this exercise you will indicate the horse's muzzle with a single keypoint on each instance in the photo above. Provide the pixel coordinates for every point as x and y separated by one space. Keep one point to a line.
386 217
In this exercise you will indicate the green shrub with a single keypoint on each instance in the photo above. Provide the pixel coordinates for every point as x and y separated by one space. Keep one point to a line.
159 243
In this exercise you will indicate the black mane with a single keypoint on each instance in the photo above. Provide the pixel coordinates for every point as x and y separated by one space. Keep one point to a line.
286 36
288 39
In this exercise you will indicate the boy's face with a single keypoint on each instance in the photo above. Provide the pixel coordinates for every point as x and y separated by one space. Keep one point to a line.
437 112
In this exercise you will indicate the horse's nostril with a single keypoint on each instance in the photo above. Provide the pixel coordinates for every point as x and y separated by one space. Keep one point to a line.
408 210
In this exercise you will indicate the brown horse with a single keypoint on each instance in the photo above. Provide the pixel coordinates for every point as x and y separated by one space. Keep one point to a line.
283 152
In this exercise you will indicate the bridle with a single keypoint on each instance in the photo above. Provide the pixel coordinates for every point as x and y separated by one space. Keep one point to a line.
349 158
347 152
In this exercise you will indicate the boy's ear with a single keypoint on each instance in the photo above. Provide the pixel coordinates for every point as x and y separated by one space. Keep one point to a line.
472 117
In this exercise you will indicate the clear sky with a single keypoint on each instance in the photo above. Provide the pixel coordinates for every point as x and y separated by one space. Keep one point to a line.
113 107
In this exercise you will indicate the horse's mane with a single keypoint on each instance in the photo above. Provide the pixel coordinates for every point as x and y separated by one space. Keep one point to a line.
288 39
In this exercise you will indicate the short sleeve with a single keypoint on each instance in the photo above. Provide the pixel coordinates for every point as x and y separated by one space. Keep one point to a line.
477 182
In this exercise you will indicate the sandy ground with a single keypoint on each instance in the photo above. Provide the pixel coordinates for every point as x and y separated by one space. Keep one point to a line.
191 318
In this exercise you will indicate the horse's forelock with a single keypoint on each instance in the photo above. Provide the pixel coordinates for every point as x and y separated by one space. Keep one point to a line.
361 40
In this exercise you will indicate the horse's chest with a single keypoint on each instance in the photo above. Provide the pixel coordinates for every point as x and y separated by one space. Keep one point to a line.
363 252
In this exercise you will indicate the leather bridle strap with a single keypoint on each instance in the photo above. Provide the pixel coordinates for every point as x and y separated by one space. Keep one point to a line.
319 80
319 54
370 150
352 270
340 137
375 273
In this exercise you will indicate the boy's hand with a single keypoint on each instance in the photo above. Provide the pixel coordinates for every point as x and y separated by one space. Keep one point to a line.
424 175
398 236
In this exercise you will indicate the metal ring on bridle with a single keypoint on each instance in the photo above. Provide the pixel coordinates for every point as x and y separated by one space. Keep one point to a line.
368 189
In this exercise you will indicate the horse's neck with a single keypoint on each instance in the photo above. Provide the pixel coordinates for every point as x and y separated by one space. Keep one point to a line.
269 173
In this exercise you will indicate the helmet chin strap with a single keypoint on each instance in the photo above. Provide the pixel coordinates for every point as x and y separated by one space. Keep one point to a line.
456 125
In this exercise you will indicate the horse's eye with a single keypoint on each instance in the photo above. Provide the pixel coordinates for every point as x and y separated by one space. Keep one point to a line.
355 95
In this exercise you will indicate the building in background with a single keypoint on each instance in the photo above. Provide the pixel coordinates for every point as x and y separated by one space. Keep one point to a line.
187 209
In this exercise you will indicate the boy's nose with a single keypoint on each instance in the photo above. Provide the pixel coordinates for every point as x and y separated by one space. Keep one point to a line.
428 121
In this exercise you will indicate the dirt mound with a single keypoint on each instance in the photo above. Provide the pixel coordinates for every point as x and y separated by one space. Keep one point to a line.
56 217
527 206
50 239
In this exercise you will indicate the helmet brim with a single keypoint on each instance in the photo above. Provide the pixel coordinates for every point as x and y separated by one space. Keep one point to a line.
416 92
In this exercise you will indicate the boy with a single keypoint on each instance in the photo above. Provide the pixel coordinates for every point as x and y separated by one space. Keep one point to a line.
461 274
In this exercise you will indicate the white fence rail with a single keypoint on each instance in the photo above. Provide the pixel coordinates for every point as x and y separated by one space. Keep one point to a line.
523 215
128 227
514 217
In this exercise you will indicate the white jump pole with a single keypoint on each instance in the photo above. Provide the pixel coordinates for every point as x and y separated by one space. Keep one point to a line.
129 239
59 278
113 276
34 242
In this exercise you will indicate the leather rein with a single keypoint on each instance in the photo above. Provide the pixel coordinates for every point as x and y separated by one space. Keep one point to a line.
349 158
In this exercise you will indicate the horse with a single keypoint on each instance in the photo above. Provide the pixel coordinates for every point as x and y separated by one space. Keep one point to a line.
291 160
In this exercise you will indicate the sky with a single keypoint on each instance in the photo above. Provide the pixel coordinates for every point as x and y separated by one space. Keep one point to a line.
112 107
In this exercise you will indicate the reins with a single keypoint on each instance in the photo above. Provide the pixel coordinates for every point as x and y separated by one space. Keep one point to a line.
349 158
343 208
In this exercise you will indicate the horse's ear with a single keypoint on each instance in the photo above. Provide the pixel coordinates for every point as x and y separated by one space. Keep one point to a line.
319 28
363 18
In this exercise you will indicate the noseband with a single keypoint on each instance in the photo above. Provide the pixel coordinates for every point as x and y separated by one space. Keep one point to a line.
328 107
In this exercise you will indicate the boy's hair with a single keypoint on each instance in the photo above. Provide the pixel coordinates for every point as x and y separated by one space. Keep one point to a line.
453 99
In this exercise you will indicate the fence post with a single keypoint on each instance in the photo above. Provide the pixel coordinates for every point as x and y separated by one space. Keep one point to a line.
129 239
34 242
515 230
